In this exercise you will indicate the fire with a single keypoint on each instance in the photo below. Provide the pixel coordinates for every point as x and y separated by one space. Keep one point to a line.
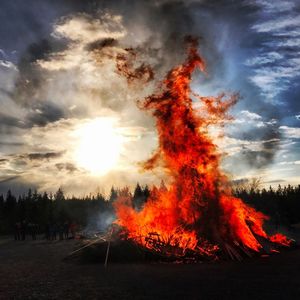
197 212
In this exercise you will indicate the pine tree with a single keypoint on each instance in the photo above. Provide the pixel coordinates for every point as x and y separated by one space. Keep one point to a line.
138 197
59 195
146 192
113 195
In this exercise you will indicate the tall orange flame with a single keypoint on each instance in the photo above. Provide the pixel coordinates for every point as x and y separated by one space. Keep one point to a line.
197 211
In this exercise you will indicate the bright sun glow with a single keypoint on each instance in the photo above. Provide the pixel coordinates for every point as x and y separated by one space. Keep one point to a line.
99 146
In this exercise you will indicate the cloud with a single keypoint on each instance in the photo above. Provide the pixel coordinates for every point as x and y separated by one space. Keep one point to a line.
271 6
44 113
253 126
278 24
289 42
257 159
250 115
84 28
83 31
252 140
274 79
10 120
267 58
49 161
7 64
290 132
66 166
42 156
276 66
3 161
277 181
296 162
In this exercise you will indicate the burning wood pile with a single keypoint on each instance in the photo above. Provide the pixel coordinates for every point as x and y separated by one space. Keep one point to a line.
197 215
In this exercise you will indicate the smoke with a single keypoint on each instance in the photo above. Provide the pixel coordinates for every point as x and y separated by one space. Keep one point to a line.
100 221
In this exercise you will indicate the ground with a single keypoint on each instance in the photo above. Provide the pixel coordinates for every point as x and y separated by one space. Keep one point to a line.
36 270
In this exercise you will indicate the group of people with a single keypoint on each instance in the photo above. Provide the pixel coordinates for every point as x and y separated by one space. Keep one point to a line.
23 228
52 231
61 231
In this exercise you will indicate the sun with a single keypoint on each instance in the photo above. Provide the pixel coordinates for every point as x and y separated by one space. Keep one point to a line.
99 146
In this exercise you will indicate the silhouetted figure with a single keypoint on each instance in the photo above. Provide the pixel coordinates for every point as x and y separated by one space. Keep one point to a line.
61 231
66 230
54 231
51 231
30 229
17 231
47 232
23 230
73 230
36 231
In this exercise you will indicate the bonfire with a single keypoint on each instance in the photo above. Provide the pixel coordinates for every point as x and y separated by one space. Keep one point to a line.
197 215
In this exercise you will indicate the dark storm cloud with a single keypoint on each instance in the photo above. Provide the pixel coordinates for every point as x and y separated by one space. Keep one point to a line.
98 45
9 121
167 21
259 132
44 113
42 156
66 166
31 79
3 160
255 154
40 115
258 159
24 23
25 35
29 93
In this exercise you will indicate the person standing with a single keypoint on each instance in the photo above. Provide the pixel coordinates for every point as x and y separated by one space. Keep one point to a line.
23 230
47 232
66 230
73 229
17 231
61 231
54 231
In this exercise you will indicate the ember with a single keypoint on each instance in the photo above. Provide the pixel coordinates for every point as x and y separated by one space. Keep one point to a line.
197 213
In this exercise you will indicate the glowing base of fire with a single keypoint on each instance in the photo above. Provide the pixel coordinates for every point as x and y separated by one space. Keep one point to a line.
153 243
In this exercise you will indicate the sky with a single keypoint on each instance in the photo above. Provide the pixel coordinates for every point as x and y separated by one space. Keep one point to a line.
69 117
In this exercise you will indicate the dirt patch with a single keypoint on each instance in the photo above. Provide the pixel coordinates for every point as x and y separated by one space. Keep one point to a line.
36 270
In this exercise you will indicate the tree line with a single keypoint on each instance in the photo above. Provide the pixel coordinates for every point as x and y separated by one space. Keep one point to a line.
48 208
281 204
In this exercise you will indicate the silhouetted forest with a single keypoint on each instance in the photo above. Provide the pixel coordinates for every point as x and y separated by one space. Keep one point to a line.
41 209
96 211
282 204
